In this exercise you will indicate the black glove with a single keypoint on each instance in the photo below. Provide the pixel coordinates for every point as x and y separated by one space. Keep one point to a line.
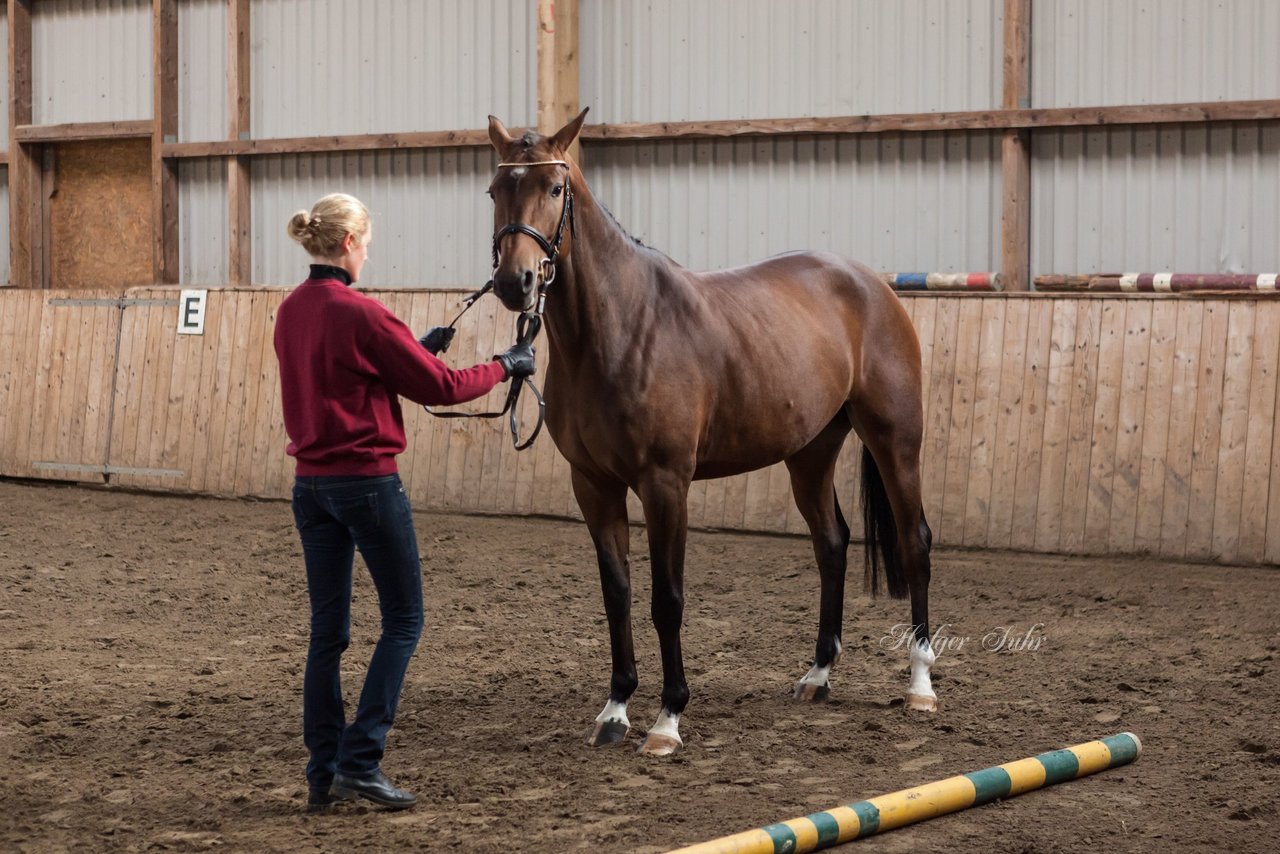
437 339
518 361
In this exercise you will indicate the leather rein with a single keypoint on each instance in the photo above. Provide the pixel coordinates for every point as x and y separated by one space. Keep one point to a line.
529 323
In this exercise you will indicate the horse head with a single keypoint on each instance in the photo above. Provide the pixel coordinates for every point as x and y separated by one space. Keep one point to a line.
532 210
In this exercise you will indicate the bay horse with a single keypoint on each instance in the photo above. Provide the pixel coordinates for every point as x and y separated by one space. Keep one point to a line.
659 376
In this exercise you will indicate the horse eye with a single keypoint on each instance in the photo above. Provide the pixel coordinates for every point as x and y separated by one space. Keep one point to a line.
557 190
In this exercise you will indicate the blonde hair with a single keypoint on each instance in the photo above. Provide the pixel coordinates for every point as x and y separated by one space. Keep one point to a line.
321 230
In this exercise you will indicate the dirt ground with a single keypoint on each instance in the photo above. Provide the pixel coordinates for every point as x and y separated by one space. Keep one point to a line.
152 667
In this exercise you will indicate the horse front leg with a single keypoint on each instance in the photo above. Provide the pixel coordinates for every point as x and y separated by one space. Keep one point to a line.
666 514
604 506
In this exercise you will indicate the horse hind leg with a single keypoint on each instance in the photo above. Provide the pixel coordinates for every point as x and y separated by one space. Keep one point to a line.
898 540
812 472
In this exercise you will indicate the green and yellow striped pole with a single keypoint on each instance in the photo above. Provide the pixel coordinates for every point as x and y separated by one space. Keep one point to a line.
843 824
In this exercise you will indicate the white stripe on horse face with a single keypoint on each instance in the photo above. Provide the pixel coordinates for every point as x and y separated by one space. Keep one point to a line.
519 172
614 711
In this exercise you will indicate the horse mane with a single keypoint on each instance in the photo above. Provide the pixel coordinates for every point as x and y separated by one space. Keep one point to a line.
637 241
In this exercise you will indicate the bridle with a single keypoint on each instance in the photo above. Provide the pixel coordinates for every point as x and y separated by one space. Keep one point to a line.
551 248
529 323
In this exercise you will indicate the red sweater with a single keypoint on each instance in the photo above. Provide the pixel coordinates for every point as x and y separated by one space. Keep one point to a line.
344 358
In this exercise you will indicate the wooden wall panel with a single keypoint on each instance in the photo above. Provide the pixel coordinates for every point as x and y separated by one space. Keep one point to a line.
1075 485
1258 460
1155 431
1055 435
1074 424
59 346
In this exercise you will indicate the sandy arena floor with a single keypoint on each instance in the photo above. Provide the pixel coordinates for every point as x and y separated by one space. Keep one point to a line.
152 666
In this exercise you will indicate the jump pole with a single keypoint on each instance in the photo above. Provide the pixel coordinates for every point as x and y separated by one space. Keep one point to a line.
886 812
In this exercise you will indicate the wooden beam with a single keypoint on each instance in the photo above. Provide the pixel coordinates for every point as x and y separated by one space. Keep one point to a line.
164 173
326 144
26 258
1141 114
558 95
1199 113
1015 150
81 131
239 199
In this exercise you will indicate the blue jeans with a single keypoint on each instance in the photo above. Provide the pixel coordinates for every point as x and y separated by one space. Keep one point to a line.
335 515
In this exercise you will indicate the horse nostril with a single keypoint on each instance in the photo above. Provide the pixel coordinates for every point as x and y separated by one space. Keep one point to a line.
527 281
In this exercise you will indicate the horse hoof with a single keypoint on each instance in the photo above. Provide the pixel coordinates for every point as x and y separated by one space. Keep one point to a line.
659 745
807 692
921 703
607 734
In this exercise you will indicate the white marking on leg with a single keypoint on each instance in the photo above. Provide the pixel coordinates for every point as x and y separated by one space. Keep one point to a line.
922 659
614 712
818 675
668 725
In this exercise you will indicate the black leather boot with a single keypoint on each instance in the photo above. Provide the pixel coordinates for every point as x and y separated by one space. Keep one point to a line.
374 787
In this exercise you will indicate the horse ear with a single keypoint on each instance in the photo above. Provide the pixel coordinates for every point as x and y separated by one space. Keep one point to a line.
566 135
498 134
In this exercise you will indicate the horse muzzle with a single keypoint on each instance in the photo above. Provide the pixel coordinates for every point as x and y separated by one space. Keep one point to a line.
517 290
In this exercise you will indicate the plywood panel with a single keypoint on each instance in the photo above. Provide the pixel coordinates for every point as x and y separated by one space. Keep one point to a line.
100 215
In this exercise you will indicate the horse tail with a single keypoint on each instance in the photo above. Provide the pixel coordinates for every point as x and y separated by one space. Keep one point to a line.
880 533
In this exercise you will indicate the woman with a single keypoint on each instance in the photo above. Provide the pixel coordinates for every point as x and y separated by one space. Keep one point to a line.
344 360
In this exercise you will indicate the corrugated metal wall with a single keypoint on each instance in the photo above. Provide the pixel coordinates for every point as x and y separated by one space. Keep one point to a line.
432 219
1189 199
202 70
4 74
684 60
91 60
351 66
203 221
893 201
4 134
4 224
1099 52
1185 198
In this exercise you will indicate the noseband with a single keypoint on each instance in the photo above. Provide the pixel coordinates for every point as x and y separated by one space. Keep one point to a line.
550 248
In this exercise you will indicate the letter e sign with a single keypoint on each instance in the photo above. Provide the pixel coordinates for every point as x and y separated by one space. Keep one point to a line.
191 312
